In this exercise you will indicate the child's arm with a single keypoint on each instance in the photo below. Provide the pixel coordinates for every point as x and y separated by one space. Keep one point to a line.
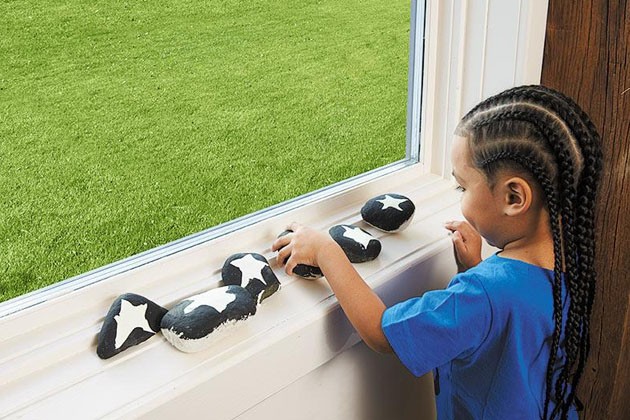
362 306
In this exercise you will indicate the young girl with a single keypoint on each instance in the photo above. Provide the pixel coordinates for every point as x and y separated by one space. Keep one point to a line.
509 336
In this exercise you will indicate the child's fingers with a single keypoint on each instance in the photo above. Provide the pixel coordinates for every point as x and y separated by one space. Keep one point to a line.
453 225
464 228
284 254
458 241
467 230
457 237
293 226
467 251
281 242
290 266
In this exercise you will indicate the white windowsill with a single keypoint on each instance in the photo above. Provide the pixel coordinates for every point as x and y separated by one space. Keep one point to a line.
48 359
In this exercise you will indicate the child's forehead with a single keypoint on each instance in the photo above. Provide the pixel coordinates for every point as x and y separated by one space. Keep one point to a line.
459 146
460 155
461 161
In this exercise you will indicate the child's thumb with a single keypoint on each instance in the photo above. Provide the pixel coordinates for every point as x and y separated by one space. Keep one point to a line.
458 241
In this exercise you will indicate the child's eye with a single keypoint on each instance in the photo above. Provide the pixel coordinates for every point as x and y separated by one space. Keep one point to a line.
460 188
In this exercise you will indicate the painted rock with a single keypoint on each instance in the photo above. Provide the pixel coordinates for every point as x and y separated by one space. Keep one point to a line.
358 244
388 212
251 271
131 320
303 270
194 323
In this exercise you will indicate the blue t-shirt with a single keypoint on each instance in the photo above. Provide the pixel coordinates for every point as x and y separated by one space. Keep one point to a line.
488 333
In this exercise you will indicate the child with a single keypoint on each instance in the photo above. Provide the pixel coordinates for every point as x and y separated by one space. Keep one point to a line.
509 336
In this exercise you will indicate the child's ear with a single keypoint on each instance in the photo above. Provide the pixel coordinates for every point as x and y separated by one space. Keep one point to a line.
518 196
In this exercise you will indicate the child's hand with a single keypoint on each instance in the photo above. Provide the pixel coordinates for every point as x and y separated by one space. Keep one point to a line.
466 243
303 246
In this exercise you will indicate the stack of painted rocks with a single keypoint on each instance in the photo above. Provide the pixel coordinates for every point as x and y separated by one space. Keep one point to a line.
195 322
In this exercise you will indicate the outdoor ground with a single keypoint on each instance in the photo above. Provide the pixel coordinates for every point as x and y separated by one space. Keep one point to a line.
127 125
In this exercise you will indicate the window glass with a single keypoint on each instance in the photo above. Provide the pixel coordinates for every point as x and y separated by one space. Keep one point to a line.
125 125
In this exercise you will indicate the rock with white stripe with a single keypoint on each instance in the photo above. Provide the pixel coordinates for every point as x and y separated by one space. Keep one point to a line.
358 244
303 270
196 322
131 320
251 271
388 212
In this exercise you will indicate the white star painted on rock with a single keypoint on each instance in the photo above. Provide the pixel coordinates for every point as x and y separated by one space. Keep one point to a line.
358 235
129 318
218 298
250 267
392 202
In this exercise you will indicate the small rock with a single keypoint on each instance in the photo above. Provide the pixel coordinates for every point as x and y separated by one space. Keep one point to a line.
251 271
198 321
388 212
131 320
358 244
303 270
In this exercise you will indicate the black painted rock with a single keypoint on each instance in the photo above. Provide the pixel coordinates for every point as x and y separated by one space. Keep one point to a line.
388 212
131 320
303 270
358 244
251 271
194 323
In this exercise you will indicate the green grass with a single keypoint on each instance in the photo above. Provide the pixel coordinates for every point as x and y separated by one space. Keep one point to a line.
127 125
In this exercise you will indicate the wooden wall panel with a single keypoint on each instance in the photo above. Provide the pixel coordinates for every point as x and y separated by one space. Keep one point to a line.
619 398
586 56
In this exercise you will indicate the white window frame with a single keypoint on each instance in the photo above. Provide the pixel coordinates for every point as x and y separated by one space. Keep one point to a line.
47 349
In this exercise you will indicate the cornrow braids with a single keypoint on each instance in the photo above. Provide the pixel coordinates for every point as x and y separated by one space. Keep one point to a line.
545 134
583 131
586 133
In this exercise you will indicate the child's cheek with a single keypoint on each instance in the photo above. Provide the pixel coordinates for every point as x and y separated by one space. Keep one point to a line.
466 209
463 203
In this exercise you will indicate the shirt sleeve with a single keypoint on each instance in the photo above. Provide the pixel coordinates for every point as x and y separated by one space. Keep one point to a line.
440 326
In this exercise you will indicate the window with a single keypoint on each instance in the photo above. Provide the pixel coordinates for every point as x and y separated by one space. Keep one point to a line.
47 358
129 125
210 106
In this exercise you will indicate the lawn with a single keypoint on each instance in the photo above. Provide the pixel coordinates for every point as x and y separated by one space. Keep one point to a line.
125 125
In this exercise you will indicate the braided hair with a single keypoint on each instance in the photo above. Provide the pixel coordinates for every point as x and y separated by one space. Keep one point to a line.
542 133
